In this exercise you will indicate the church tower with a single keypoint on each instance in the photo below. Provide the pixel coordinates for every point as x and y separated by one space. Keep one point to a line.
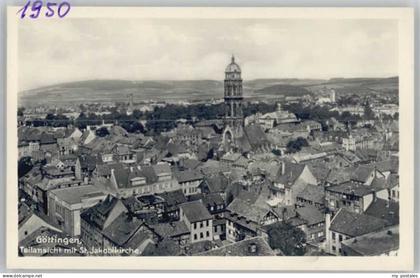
234 120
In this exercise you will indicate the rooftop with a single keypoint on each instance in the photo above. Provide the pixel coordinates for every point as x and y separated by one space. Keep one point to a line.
376 243
255 246
75 195
195 211
355 224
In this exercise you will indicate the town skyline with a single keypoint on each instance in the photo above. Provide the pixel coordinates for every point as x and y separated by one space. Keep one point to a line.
265 49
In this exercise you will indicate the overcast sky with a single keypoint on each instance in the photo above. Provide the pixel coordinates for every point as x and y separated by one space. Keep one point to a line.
54 51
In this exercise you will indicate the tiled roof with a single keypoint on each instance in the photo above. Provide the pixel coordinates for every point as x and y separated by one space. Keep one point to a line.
313 193
255 135
247 210
98 214
353 188
122 229
255 246
173 198
195 211
216 183
188 175
310 214
362 173
340 175
355 224
386 210
172 229
291 174
376 243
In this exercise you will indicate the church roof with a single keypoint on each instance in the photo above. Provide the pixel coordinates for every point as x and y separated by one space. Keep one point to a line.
233 67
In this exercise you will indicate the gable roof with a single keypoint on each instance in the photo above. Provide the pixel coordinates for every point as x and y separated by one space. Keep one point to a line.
173 198
310 214
122 229
355 224
291 174
353 188
188 175
375 243
255 135
216 183
255 246
385 210
313 193
249 211
362 172
98 214
195 211
173 229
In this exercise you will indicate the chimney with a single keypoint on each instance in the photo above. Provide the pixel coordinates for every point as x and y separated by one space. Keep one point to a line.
283 167
327 228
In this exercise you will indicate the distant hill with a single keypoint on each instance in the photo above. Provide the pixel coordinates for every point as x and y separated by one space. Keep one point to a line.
173 90
285 90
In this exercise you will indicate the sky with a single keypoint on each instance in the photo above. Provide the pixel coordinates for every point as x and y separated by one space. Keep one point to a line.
55 51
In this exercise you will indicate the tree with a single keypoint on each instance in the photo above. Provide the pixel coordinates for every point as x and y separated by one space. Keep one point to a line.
276 152
287 238
24 166
20 111
368 112
132 126
296 145
102 132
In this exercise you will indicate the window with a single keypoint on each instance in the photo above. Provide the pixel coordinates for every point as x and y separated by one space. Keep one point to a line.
195 236
207 234
195 225
340 238
333 235
201 235
333 248
207 223
201 224
339 250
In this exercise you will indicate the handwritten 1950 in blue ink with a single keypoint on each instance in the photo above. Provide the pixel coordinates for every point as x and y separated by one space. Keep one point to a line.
34 9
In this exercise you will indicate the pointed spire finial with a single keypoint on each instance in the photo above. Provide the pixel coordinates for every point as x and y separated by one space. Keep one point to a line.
233 59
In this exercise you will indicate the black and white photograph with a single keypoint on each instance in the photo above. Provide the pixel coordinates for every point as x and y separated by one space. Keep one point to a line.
230 136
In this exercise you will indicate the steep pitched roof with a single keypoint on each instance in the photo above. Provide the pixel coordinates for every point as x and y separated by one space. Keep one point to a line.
195 211
172 229
291 174
188 175
173 198
313 193
122 229
216 183
98 214
362 173
310 214
355 224
340 175
247 210
386 210
256 135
